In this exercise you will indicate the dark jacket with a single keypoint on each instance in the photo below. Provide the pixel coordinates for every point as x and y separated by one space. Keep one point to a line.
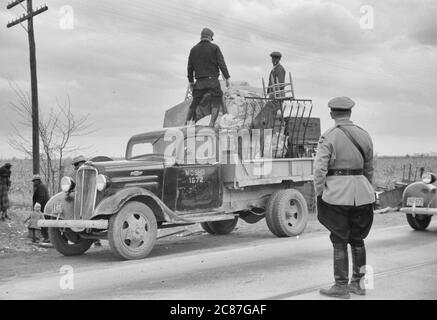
5 174
206 60
41 195
277 75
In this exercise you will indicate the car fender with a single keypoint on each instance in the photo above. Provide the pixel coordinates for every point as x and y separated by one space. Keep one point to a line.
421 190
60 206
113 204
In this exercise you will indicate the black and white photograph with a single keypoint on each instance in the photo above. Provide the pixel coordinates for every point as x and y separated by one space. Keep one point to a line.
218 155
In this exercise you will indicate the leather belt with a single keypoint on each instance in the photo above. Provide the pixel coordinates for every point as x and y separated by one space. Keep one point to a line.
201 78
345 172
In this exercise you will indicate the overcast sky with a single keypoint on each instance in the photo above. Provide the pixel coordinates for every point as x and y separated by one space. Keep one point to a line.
124 62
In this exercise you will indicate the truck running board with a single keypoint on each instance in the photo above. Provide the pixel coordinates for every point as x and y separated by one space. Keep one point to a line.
204 217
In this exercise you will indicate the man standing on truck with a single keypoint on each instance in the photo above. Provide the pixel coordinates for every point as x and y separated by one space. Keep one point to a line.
204 64
267 116
277 75
343 175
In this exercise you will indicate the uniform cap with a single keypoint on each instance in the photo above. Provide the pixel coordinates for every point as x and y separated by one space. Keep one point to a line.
341 103
36 177
276 54
206 33
78 159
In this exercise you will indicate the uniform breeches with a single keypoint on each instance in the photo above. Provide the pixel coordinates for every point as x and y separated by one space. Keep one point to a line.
347 224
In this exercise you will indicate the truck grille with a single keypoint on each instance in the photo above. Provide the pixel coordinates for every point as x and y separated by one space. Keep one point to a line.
86 192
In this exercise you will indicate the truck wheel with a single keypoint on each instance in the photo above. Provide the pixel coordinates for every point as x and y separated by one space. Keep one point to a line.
132 231
67 242
269 208
205 226
419 222
287 213
220 227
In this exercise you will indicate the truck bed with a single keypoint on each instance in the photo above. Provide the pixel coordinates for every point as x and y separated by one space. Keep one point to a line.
268 171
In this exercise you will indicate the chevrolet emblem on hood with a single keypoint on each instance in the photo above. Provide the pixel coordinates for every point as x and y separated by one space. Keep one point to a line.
136 173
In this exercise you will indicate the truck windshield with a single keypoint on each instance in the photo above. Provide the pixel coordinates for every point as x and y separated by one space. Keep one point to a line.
153 147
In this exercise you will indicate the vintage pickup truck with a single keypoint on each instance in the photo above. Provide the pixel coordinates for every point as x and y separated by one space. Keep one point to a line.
197 181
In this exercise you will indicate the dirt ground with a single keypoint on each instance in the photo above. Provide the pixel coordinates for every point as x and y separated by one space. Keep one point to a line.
19 257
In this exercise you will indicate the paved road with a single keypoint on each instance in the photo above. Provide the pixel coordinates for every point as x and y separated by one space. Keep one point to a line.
404 264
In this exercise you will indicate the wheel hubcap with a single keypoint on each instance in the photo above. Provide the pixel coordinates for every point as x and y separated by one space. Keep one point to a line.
134 231
291 214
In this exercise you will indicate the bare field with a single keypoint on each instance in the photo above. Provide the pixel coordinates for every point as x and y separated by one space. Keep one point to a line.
389 170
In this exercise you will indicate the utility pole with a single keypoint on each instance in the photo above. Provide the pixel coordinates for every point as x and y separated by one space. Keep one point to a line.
33 75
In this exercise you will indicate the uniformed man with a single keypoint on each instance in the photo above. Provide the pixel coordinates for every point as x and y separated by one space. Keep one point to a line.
277 75
343 183
204 64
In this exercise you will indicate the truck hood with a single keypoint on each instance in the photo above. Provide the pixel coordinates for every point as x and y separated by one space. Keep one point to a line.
128 167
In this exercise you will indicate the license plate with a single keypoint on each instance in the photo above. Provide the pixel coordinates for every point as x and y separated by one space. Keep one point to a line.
415 201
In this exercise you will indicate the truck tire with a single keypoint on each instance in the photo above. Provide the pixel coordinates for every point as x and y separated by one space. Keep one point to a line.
205 226
269 208
67 242
287 213
419 222
132 231
220 227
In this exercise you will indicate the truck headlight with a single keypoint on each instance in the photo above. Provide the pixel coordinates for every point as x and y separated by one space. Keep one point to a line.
101 182
429 178
67 184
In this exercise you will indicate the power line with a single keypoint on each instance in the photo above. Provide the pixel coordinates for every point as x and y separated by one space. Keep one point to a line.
171 15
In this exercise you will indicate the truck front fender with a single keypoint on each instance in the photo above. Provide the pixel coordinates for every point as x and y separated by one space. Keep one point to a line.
113 204
60 206
421 190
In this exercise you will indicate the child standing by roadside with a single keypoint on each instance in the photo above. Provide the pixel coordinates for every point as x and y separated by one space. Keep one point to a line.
33 221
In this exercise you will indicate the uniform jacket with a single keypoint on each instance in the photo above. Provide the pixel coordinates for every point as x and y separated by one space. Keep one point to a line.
41 195
206 60
277 75
336 151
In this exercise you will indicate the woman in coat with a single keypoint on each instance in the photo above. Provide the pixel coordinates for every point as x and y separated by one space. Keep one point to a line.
5 185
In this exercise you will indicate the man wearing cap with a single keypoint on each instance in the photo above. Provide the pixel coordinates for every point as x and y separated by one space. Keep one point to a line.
277 75
265 119
343 173
41 196
204 64
78 162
